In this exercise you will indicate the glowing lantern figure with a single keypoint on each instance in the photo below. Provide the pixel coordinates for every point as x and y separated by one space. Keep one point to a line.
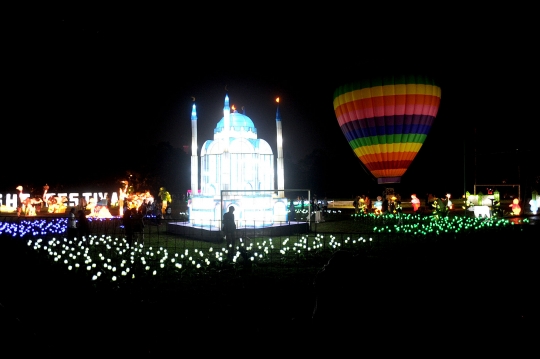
449 203
166 199
386 121
534 206
516 209
415 202
378 205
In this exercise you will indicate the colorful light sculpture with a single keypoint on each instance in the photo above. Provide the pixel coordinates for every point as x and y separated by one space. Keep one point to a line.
386 120
534 206
449 202
516 208
415 202
377 205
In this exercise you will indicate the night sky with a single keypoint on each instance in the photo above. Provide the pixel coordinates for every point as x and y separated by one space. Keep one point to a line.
86 97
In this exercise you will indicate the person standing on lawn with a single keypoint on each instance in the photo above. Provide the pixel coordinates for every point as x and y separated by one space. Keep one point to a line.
324 206
229 228
83 227
128 226
72 224
19 200
356 204
137 225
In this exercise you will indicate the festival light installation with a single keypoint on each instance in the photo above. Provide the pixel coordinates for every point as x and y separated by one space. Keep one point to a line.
534 206
516 208
415 202
386 120
237 168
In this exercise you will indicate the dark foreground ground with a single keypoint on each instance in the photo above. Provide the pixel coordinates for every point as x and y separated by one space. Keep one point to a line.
466 299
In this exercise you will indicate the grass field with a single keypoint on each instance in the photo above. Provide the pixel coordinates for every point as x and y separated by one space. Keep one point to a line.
473 280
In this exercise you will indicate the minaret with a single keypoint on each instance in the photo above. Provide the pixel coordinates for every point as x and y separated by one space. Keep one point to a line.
226 165
194 159
280 166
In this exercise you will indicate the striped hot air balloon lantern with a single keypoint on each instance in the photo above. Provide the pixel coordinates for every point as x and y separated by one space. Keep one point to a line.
386 120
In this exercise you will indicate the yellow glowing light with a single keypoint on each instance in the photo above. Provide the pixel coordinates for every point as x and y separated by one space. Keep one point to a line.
516 208
277 100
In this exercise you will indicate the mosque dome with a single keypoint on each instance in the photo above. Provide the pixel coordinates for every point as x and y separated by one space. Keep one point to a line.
239 122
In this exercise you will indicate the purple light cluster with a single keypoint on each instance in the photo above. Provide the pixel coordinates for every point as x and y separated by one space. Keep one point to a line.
38 227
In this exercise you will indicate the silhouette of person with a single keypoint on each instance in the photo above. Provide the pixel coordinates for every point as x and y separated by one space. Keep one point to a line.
385 206
137 225
356 205
292 211
128 226
83 226
19 200
143 208
72 224
229 228
324 205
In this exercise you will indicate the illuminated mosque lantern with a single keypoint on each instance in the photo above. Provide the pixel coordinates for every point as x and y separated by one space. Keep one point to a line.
237 168
516 209
415 202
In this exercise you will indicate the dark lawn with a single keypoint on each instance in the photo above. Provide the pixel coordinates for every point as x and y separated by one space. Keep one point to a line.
481 294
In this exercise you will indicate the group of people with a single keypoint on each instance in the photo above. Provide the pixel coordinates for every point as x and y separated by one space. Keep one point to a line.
319 208
133 222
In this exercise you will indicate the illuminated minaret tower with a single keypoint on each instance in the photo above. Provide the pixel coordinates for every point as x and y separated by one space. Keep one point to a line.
280 167
194 165
226 166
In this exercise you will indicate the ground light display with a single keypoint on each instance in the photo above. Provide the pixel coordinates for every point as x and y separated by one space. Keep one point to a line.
105 259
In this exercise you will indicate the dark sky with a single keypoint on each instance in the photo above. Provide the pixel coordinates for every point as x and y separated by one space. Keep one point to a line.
82 92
